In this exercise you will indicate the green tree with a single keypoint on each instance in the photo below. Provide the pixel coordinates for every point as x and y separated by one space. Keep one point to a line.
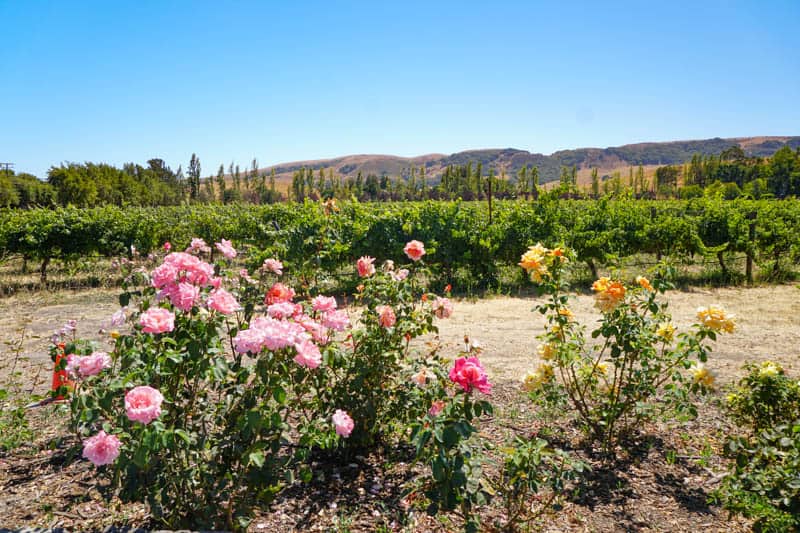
595 183
221 182
194 176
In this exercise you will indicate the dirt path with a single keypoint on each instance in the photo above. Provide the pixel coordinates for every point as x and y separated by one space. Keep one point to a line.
768 325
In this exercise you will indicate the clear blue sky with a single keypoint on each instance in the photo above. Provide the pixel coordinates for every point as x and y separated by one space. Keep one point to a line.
282 81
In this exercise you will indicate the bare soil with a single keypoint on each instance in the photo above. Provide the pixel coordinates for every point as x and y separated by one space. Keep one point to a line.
661 483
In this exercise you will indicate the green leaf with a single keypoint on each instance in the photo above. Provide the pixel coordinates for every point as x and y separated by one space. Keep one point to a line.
279 395
256 458
184 435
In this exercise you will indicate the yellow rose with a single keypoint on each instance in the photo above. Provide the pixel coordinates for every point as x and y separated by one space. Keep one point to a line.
533 261
558 255
644 283
769 369
546 351
714 317
114 334
666 331
703 376
608 294
566 313
534 380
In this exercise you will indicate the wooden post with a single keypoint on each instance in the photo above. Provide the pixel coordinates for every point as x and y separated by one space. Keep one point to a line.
751 242
490 198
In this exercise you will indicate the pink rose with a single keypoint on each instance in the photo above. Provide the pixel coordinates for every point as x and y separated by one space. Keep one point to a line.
73 364
281 310
386 316
167 246
267 332
157 320
414 250
101 449
198 245
308 354
442 307
469 373
91 365
118 318
245 275
318 332
323 304
143 404
227 249
273 265
436 408
189 268
163 275
400 275
343 423
365 266
335 320
279 293
184 295
222 301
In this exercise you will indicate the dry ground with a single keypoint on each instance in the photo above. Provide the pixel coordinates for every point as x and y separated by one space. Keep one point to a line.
768 325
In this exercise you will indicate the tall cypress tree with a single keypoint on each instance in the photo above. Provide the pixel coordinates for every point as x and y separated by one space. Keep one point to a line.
194 177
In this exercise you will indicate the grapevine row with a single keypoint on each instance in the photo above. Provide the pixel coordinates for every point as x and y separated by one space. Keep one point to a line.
324 239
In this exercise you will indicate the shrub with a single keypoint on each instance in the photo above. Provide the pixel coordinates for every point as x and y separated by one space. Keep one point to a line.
764 483
447 439
209 407
764 398
637 368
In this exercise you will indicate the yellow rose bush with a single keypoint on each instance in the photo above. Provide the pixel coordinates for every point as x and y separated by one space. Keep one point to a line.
638 367
763 482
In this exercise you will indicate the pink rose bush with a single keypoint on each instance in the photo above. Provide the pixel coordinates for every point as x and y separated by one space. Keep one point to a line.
253 366
143 404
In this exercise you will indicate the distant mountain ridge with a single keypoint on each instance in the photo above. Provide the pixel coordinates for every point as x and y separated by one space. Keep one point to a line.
511 160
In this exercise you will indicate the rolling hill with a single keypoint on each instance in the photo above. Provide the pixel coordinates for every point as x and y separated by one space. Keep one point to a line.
607 160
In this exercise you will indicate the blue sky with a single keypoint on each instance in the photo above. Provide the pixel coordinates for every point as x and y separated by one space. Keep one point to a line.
282 81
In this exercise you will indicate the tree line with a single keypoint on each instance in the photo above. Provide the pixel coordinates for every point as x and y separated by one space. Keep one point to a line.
731 174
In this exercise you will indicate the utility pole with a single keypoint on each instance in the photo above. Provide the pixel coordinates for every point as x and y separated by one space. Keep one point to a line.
8 168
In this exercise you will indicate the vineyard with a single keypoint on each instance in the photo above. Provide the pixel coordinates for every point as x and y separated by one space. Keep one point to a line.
473 242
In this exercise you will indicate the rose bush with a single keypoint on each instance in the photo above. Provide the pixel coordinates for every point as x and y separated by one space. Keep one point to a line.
636 369
226 382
